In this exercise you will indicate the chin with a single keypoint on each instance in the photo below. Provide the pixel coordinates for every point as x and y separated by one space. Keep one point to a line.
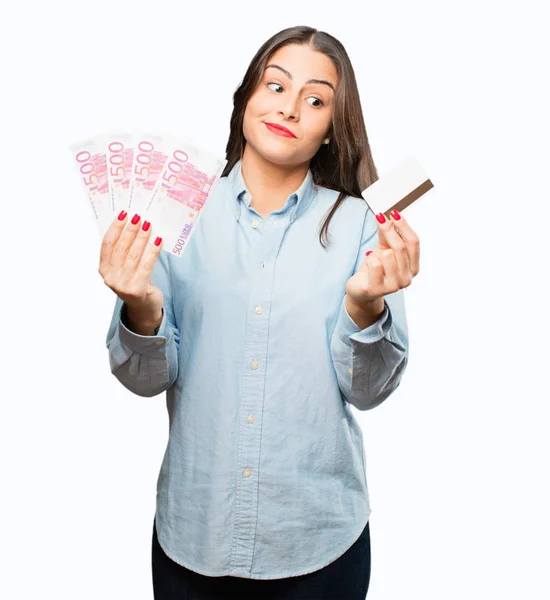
282 158
278 152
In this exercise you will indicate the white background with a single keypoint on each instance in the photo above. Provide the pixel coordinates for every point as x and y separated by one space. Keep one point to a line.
457 457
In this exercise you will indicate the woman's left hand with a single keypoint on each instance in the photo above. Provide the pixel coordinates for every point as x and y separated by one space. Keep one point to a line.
390 266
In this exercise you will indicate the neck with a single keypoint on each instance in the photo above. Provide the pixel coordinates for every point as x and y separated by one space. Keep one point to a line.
270 184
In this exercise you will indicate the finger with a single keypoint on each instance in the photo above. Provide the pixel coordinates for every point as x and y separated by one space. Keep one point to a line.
396 263
120 248
135 251
376 272
410 238
393 280
145 267
110 238
396 233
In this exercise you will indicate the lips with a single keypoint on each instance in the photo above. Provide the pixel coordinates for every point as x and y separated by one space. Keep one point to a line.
280 130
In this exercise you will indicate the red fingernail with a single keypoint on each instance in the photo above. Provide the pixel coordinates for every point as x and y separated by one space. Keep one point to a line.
135 219
380 218
146 225
158 241
395 215
369 252
122 215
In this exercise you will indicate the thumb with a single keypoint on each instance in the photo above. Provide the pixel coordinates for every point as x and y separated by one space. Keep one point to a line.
364 266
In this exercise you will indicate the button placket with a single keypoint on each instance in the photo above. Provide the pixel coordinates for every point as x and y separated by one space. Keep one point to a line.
266 249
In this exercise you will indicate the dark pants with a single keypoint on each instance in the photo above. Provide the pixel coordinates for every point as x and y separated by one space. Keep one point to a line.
347 578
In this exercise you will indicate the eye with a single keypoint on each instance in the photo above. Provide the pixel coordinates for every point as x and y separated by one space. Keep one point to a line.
315 99
277 85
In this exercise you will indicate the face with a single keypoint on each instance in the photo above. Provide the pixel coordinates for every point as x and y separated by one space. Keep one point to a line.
296 92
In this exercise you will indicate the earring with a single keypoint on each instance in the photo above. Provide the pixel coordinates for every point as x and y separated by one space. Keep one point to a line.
326 141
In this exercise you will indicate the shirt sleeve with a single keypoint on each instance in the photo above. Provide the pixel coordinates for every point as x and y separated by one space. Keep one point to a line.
146 365
370 362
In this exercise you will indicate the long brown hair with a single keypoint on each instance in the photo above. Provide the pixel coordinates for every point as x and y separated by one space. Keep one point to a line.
345 164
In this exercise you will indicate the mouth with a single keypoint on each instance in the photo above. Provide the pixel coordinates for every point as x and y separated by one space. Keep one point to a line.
280 130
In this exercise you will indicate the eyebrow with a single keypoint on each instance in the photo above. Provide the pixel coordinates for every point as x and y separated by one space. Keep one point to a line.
308 81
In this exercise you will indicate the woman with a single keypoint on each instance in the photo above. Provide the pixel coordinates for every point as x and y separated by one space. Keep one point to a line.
263 336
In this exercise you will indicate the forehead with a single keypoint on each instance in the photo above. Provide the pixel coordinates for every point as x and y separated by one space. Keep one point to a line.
305 63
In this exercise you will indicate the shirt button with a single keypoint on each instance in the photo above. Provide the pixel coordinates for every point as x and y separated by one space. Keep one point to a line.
159 342
246 196
254 364
247 472
293 216
255 224
236 213
250 419
262 264
258 310
350 370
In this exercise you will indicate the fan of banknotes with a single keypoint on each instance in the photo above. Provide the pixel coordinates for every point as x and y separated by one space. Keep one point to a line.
163 178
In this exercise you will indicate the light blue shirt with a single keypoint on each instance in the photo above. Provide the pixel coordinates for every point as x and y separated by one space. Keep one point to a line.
264 471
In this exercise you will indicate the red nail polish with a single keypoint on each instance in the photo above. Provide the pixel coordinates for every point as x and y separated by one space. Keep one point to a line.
146 225
381 218
369 252
158 241
122 215
135 219
395 215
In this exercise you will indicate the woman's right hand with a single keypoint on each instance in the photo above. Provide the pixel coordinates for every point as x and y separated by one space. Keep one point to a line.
124 271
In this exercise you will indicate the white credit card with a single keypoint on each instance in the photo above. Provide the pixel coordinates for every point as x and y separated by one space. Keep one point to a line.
399 188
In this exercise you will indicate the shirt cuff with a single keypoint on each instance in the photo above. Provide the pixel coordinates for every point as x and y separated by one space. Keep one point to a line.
143 344
349 330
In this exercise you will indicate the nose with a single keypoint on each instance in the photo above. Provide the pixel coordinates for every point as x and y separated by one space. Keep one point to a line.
288 108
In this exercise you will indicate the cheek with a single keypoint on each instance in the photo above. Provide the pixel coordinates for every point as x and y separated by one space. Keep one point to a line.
317 126
258 107
250 115
256 104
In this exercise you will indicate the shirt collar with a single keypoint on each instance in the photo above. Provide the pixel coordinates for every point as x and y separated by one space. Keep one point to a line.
300 200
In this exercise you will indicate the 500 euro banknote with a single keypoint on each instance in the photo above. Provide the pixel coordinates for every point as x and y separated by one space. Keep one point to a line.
90 159
187 179
150 154
119 148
